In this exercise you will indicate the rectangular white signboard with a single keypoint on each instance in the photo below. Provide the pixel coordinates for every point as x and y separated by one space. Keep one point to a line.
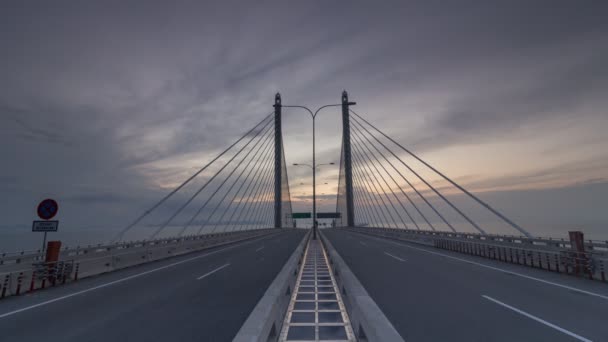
45 226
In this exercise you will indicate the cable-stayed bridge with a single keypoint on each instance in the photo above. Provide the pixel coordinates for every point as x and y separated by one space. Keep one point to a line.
410 256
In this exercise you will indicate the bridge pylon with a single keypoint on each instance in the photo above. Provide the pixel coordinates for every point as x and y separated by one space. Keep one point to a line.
278 162
348 171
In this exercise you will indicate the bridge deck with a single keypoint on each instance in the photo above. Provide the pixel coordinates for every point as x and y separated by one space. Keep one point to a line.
316 311
202 296
435 295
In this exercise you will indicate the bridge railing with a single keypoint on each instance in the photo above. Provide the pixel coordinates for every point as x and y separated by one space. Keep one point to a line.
548 254
586 264
31 273
599 246
28 257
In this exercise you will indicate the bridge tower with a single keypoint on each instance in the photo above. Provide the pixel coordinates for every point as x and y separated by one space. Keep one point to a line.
348 171
278 165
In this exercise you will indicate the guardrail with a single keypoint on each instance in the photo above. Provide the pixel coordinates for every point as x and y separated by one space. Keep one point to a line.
368 321
27 257
82 263
598 246
266 320
590 264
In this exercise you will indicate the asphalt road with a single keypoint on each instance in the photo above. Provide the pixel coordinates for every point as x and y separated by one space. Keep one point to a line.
435 295
204 296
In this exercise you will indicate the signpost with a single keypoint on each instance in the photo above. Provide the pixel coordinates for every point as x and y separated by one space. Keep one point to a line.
45 226
47 209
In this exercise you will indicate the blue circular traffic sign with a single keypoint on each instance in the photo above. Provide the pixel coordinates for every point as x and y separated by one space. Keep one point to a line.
47 209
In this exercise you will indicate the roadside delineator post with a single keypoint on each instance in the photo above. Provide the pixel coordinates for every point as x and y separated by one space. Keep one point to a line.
19 281
76 272
577 245
33 282
5 286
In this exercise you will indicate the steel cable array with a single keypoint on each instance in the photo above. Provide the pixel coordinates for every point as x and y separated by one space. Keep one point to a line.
383 200
235 192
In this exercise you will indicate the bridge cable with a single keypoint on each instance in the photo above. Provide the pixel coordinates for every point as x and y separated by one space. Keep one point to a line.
368 201
436 192
359 135
262 137
407 181
363 186
340 205
360 205
265 148
373 195
183 206
255 181
201 208
432 207
266 176
266 204
266 190
179 210
287 190
478 200
369 172
383 179
170 194
358 149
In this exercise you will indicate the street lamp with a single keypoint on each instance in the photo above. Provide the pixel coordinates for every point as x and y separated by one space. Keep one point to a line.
314 116
314 193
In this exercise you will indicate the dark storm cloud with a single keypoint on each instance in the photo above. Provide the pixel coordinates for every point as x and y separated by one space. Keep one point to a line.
115 98
557 92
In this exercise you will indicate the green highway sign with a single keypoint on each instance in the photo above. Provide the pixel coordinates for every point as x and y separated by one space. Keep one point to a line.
328 215
301 215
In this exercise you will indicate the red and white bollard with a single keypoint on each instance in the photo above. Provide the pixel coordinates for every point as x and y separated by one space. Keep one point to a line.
33 281
19 281
76 272
5 286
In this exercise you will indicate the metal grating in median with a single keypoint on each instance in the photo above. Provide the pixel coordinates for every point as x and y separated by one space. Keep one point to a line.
316 311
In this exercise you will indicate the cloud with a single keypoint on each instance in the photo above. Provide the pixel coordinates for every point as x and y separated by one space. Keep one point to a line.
110 104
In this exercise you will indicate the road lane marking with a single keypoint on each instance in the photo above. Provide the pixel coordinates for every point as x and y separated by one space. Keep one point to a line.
567 332
10 313
498 269
363 243
396 257
211 272
259 249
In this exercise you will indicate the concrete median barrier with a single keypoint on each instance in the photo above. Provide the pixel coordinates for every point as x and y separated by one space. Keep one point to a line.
368 321
265 321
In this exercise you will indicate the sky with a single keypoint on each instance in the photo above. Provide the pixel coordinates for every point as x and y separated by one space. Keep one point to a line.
106 105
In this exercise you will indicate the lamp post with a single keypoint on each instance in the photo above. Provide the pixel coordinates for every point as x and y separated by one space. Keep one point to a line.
314 193
313 115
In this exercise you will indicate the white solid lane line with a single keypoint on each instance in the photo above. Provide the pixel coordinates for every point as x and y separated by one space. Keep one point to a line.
10 313
567 332
395 257
211 272
259 249
498 269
